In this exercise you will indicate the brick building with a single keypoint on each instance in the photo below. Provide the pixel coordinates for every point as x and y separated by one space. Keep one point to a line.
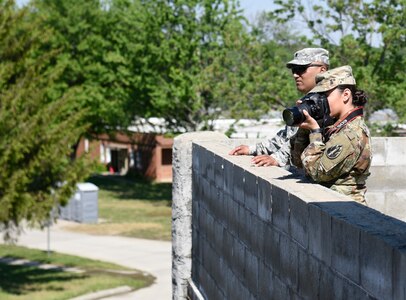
147 153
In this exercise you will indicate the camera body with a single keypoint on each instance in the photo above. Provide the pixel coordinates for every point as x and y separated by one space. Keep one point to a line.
316 105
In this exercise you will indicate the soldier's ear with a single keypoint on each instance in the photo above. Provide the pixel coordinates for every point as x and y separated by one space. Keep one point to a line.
346 94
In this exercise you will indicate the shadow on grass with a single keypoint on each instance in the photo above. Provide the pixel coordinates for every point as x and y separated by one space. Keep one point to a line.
20 280
133 188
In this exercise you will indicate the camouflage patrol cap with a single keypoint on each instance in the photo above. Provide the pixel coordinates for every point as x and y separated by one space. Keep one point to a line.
330 79
307 56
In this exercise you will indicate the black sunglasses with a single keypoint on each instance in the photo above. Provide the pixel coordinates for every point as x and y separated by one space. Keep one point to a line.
299 70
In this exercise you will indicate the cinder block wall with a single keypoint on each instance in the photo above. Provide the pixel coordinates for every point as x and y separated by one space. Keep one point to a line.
387 183
262 233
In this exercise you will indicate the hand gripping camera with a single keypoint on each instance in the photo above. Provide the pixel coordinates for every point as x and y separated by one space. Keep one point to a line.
316 105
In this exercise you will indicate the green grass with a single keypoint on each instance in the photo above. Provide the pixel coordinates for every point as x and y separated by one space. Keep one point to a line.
131 207
31 283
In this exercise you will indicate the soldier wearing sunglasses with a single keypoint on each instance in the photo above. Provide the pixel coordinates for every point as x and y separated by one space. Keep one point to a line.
307 63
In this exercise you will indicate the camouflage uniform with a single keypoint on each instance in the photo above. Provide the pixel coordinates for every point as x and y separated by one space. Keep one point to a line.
342 163
278 147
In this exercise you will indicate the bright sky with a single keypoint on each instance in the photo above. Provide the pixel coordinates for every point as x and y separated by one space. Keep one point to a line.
253 7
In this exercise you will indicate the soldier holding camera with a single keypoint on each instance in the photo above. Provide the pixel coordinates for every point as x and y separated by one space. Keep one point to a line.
307 63
339 155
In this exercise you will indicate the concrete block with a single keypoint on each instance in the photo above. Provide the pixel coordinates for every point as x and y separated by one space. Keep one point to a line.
395 203
218 235
216 293
228 172
396 151
226 201
346 289
195 213
207 257
264 200
399 273
233 210
257 237
217 205
244 229
191 294
209 227
206 199
376 200
309 275
289 261
293 295
214 201
320 244
225 273
206 284
239 182
279 289
183 240
326 283
264 281
280 209
208 166
244 218
271 248
386 178
376 266
345 249
203 226
216 273
204 190
218 166
238 266
227 249
379 151
251 272
334 286
251 192
222 207
195 158
298 220
236 289
196 253
231 291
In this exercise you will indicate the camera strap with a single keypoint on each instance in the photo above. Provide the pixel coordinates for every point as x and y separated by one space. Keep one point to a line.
341 124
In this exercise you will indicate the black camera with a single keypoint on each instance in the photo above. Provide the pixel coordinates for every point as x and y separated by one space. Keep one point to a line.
316 105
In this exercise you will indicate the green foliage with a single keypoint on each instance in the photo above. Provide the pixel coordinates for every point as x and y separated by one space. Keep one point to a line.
95 67
36 135
368 35
188 62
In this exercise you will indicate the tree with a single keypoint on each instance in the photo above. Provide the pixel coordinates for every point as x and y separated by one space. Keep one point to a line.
202 63
100 47
368 35
248 77
187 62
35 135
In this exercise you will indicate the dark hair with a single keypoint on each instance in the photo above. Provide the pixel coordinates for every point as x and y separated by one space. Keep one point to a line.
359 97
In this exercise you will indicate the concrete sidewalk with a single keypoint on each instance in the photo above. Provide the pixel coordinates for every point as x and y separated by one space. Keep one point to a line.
153 257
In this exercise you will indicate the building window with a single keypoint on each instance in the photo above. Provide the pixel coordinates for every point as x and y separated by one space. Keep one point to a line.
102 154
86 145
166 157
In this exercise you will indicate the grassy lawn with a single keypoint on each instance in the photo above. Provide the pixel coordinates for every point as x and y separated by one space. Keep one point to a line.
31 283
131 207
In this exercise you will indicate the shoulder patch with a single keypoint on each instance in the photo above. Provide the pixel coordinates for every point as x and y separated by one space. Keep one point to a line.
334 151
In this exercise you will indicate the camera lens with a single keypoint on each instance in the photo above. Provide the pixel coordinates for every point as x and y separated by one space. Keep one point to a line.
292 116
